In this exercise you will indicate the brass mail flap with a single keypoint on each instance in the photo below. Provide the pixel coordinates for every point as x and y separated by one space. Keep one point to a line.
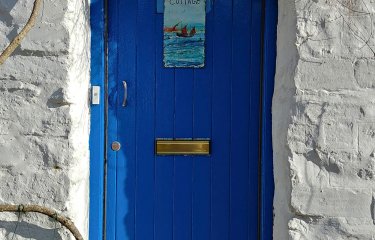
182 147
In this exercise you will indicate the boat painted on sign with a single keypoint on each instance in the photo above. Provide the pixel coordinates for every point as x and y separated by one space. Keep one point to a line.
184 32
172 29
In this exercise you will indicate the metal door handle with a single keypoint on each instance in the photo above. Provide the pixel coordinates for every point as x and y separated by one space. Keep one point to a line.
124 102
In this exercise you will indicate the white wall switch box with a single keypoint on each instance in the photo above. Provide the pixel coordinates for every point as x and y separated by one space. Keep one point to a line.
95 95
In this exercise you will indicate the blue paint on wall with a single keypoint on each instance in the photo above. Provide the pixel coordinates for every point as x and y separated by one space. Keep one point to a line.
97 122
269 66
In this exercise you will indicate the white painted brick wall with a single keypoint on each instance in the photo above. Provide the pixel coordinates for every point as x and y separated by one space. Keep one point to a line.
44 115
324 120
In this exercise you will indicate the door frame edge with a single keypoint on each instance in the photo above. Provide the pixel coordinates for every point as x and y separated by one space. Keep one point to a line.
270 15
97 122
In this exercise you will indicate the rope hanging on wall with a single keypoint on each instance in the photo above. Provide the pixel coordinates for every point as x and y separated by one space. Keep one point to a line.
18 39
66 222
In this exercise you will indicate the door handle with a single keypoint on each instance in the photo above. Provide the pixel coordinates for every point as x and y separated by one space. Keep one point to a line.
124 102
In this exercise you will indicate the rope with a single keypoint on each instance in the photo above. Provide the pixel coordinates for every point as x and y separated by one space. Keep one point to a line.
18 39
64 221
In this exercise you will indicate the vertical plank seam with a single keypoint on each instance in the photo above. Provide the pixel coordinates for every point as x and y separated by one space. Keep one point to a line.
135 122
249 120
192 158
174 158
155 114
212 114
230 123
154 128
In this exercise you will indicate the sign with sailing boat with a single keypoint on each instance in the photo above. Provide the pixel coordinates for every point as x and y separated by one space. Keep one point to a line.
184 33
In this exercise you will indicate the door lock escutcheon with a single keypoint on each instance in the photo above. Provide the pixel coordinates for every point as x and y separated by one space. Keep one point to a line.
116 146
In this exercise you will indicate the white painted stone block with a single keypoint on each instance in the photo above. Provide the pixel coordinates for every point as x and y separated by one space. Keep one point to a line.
44 114
364 73
366 139
307 228
339 135
331 202
325 74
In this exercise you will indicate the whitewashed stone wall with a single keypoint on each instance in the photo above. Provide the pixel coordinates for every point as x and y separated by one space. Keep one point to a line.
44 116
324 120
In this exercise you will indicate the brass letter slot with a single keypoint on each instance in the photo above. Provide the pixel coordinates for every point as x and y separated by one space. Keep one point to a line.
182 147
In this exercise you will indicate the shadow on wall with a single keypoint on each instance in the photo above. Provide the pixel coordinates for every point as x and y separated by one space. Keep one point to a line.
5 17
28 231
58 99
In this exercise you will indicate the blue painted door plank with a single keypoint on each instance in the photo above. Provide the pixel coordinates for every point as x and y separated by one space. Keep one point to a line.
164 128
202 120
184 84
240 120
112 119
221 110
160 6
97 123
256 27
145 119
126 162
269 66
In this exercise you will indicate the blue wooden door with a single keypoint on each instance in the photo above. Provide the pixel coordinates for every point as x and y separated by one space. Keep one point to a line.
183 197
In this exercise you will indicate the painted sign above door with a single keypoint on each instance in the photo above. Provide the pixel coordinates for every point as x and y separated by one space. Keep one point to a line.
184 33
